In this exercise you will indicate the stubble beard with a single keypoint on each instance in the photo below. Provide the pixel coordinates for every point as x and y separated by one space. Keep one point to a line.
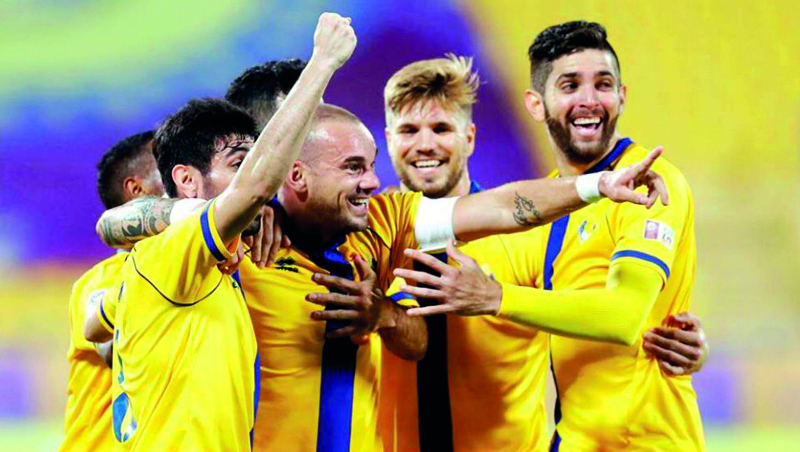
434 191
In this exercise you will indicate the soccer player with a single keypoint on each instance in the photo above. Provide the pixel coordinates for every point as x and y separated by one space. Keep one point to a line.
607 272
126 171
184 349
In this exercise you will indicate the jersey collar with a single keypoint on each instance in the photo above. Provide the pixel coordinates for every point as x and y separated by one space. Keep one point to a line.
607 161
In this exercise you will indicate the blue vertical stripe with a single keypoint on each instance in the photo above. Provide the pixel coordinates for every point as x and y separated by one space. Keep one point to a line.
338 369
256 393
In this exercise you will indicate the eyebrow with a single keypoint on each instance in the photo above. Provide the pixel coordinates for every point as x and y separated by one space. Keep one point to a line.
571 75
232 150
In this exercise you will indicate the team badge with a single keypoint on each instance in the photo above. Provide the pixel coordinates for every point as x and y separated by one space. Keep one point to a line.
655 230
584 231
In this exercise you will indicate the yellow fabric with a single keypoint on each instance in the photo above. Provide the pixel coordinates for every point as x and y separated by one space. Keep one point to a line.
184 348
615 397
290 342
497 373
87 422
613 314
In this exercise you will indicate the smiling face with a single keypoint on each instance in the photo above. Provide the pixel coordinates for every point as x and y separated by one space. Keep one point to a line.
338 160
429 144
582 101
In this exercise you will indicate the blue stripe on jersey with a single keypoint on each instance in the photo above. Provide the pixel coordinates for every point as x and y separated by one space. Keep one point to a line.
338 368
401 296
208 237
103 313
612 156
555 242
642 256
556 442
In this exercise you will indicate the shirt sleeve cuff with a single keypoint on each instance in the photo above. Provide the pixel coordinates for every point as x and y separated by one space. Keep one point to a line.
213 241
513 301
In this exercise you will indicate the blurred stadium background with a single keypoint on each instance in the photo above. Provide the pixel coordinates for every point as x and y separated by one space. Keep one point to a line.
716 82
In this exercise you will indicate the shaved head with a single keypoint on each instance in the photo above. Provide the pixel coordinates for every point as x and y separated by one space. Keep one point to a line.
319 136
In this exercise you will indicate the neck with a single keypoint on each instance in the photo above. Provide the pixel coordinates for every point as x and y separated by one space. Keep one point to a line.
568 168
304 228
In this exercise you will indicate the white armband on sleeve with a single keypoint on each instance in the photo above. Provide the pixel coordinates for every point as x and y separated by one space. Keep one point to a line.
434 223
183 208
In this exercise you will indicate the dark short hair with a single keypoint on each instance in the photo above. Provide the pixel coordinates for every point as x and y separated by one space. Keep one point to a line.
188 136
258 88
565 39
119 163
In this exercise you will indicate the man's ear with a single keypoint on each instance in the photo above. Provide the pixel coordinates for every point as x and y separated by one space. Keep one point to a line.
296 180
623 98
132 187
188 180
534 103
471 131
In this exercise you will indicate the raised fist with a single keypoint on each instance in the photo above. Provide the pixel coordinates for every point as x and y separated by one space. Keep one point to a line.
334 39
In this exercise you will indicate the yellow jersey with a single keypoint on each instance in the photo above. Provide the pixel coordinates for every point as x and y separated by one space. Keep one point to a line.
87 423
317 393
615 397
184 350
496 375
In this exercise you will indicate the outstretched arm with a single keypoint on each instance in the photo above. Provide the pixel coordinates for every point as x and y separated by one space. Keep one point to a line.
521 205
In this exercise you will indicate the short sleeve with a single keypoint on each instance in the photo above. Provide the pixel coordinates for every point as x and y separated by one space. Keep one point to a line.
181 262
106 307
651 236
393 216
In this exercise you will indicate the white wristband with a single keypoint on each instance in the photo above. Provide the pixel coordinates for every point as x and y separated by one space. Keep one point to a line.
588 187
433 225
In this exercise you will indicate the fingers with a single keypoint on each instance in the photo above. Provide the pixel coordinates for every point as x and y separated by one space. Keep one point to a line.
344 332
430 310
690 338
685 321
656 184
286 241
336 314
644 165
422 292
688 353
334 298
428 260
458 256
336 282
365 272
670 369
668 356
277 240
418 277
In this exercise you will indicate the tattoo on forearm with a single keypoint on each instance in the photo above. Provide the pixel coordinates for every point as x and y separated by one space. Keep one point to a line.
141 218
525 211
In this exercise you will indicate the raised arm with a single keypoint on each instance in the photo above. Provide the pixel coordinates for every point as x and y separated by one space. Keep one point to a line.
266 165
123 226
522 205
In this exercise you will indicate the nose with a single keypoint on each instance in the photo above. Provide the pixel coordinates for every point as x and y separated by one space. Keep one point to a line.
426 140
587 95
370 181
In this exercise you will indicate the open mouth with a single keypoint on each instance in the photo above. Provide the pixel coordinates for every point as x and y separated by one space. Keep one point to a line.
359 204
427 164
587 126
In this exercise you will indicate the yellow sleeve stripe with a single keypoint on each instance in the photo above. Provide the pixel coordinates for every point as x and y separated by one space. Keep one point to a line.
211 235
104 320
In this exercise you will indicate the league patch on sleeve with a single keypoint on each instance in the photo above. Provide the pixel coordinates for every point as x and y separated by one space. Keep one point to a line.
654 230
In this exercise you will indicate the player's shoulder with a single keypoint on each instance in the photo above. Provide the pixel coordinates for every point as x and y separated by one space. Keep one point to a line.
100 271
671 174
393 200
